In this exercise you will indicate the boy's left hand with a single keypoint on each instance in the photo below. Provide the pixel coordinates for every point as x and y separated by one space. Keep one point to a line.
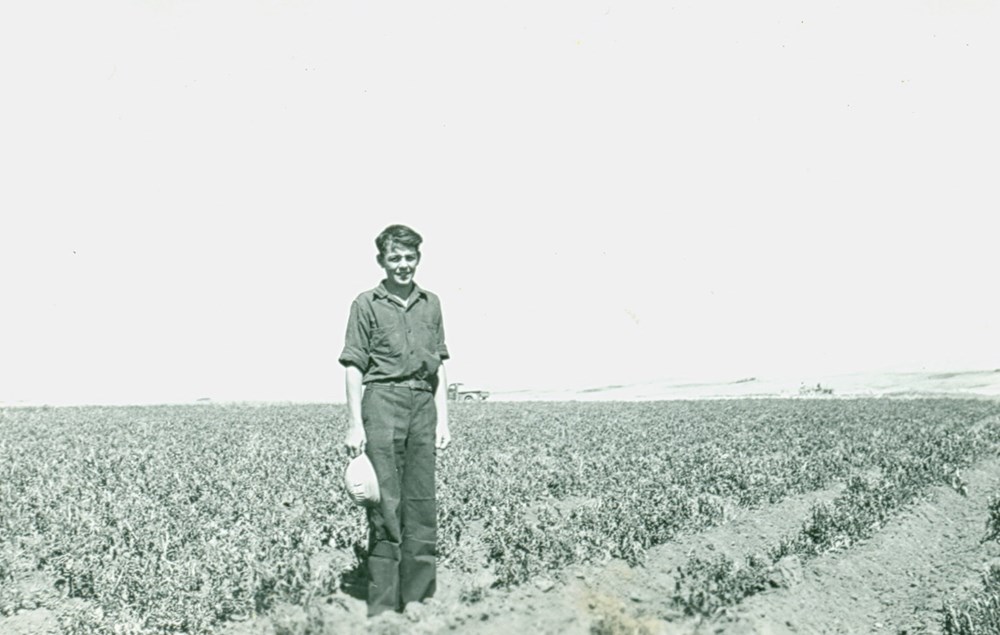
443 436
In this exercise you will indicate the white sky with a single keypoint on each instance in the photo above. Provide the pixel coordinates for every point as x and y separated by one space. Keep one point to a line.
609 192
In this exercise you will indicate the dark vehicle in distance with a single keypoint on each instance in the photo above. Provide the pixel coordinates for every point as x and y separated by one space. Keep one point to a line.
457 393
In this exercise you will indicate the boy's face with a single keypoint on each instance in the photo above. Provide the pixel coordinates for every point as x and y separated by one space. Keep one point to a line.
400 263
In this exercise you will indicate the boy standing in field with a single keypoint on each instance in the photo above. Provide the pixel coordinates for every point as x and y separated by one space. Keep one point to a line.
394 349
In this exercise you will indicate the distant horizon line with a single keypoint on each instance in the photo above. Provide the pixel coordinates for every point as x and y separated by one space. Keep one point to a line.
780 386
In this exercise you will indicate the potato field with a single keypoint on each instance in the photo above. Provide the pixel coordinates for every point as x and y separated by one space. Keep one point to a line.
231 518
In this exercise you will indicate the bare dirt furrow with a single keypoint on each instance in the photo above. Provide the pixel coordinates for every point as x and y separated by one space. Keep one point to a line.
626 599
893 583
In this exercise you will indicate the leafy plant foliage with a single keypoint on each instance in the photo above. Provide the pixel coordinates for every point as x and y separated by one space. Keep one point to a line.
176 519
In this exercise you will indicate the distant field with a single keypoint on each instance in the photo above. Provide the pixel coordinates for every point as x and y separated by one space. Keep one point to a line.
969 383
199 518
955 384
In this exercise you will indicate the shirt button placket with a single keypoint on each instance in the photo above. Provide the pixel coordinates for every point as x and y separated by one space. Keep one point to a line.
409 331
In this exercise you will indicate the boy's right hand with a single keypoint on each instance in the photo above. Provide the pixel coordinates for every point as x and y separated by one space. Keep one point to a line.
355 440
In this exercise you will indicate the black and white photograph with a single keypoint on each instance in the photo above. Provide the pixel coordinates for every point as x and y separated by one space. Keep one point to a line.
586 318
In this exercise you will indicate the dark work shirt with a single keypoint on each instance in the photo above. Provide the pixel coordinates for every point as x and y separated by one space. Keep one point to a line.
388 341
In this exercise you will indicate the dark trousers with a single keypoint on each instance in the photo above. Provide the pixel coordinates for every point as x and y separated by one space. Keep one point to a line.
400 427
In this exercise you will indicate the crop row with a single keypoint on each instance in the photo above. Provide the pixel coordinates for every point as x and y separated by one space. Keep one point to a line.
980 613
933 455
174 519
177 519
648 471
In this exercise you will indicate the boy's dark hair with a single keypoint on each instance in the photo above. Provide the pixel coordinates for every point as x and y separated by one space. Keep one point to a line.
400 235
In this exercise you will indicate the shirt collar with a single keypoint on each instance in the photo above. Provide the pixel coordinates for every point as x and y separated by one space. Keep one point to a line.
382 292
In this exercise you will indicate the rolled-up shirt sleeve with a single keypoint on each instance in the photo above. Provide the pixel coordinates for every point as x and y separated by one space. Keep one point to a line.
442 348
357 341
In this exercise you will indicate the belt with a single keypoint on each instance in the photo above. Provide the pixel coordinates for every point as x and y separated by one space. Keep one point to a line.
412 383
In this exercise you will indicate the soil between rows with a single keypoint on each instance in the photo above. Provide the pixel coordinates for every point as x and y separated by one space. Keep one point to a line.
635 599
893 583
896 582
631 599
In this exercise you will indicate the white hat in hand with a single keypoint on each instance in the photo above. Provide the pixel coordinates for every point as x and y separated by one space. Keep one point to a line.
360 481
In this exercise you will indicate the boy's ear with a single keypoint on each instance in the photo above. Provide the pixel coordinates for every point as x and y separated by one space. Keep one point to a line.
378 259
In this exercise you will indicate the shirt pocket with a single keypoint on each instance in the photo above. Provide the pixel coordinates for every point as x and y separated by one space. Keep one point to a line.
426 337
387 341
